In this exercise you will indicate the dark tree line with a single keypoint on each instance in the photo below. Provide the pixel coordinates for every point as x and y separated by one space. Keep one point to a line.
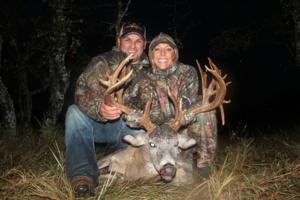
44 45
39 50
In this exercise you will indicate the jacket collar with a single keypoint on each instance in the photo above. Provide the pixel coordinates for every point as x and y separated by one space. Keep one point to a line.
164 73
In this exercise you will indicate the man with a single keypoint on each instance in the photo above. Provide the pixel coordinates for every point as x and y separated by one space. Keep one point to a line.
90 120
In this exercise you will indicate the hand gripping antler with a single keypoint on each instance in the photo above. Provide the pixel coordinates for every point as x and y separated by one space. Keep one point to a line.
114 93
213 96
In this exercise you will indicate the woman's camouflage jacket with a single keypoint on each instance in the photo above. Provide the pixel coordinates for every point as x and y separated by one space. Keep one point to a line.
181 79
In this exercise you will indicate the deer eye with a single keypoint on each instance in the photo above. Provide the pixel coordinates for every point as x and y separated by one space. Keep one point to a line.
176 144
152 144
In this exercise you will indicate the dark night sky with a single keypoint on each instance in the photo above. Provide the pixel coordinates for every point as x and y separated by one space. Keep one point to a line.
210 17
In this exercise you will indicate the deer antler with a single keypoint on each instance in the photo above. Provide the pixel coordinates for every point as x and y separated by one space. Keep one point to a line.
216 89
113 83
114 93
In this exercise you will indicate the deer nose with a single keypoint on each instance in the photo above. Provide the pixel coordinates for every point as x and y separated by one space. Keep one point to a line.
167 172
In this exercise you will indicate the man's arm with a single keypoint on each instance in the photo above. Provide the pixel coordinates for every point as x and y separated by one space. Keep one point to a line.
89 92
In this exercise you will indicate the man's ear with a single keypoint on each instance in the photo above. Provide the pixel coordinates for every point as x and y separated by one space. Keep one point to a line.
118 41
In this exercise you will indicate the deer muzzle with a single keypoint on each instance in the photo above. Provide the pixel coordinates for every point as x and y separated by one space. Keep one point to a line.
167 172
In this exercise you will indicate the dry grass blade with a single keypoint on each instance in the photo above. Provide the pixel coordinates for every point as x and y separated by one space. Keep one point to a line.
197 191
220 180
58 158
107 183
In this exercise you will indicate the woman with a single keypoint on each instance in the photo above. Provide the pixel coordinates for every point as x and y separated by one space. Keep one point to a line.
182 81
167 73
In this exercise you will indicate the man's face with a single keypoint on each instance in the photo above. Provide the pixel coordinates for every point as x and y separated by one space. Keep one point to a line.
132 44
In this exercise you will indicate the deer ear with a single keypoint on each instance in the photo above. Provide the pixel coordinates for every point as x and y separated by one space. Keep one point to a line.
185 142
135 140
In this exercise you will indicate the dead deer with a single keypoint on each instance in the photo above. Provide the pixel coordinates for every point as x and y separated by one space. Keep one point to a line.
164 151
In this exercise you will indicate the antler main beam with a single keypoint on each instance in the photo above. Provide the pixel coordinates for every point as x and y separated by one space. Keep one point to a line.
177 122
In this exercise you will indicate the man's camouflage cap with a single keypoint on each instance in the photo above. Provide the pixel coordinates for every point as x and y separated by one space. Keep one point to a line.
133 27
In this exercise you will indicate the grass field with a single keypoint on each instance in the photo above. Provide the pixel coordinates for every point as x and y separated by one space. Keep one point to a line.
264 166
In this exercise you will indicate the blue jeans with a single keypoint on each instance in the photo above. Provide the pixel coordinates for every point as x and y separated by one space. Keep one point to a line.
81 134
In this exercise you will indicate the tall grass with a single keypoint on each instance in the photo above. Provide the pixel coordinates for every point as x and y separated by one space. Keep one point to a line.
264 166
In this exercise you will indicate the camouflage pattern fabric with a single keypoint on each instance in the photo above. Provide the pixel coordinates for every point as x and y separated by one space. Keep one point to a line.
205 133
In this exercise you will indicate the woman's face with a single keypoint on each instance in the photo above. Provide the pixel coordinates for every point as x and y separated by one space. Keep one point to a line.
163 56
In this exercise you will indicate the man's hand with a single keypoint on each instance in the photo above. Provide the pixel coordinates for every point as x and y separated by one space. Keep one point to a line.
110 112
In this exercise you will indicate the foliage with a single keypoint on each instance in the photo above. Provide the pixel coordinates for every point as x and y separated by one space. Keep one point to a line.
262 167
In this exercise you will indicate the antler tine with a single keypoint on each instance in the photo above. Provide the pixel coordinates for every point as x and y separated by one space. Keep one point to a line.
120 67
146 121
113 76
103 82
119 93
203 76
119 83
222 114
177 122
